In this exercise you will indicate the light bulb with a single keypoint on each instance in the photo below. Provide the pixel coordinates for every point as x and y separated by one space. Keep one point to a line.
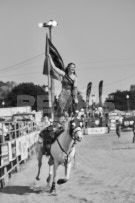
54 23
40 25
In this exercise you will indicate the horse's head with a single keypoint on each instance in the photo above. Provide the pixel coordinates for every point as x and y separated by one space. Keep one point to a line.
75 129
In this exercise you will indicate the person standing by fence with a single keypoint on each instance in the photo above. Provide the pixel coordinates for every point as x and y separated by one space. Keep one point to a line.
3 132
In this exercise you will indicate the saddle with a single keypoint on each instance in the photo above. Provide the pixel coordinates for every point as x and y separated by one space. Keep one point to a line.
49 136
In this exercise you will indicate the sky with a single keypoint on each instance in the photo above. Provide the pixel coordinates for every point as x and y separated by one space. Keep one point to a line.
97 35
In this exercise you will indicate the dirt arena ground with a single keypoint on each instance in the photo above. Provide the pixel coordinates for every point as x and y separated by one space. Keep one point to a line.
103 172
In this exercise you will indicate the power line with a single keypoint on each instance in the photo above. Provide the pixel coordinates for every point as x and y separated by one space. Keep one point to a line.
15 66
37 57
111 83
26 73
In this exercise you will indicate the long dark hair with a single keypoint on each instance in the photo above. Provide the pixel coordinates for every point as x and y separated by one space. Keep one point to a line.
67 68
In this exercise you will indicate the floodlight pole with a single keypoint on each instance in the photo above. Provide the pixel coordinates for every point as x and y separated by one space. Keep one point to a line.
127 98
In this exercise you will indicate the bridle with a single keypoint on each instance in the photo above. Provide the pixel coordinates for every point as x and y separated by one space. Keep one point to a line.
75 126
72 133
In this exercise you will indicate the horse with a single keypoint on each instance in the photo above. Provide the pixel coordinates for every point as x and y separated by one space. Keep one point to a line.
62 152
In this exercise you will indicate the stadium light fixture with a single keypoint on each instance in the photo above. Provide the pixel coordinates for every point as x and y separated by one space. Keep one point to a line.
51 23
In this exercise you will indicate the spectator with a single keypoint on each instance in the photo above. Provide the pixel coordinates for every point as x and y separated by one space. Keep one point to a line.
3 132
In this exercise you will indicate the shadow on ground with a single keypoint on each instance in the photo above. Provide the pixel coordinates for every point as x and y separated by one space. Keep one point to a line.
21 190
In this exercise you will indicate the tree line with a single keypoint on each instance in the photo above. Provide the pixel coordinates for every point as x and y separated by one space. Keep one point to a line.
35 94
122 100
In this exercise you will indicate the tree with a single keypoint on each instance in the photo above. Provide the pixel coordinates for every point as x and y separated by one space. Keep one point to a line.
29 89
119 99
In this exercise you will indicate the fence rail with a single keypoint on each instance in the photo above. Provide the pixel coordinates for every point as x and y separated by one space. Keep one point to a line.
18 142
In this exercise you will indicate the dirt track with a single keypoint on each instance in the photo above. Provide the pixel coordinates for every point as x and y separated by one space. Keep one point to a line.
104 172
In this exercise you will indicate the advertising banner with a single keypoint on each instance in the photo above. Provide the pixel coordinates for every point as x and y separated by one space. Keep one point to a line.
28 140
36 137
94 131
24 153
18 146
4 154
12 150
32 137
88 92
100 92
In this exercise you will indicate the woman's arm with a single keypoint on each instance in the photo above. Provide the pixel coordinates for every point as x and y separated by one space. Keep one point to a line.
57 70
75 82
75 90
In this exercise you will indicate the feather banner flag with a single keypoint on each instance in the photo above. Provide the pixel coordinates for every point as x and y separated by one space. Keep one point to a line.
88 92
56 58
100 92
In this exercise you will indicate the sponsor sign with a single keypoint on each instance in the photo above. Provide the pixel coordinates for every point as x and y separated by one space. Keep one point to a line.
18 146
36 137
4 154
28 140
12 150
99 130
24 152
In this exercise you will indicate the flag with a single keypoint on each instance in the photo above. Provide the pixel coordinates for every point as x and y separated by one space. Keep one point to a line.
47 63
56 58
100 91
88 92
100 88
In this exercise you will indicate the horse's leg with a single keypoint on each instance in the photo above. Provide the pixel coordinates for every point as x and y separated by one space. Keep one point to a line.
50 163
67 170
118 128
133 137
39 157
74 160
133 134
55 167
67 174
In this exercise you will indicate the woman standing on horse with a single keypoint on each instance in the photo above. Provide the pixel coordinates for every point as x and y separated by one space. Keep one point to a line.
67 101
68 96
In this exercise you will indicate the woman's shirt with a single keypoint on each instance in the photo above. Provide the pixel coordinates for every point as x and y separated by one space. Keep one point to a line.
68 83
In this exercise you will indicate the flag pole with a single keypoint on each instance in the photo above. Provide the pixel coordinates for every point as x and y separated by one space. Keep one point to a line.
50 24
51 81
49 77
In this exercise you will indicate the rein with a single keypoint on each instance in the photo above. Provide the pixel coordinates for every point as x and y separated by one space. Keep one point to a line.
67 154
63 149
72 135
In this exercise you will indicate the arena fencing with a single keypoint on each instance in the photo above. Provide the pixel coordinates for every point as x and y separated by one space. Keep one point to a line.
17 145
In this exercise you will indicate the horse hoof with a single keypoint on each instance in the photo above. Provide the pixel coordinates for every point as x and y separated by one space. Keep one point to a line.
48 179
37 178
53 193
61 181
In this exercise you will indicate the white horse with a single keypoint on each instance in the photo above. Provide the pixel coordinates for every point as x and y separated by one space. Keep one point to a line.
62 151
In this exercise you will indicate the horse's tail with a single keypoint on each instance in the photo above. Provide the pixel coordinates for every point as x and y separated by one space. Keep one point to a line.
39 150
74 158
